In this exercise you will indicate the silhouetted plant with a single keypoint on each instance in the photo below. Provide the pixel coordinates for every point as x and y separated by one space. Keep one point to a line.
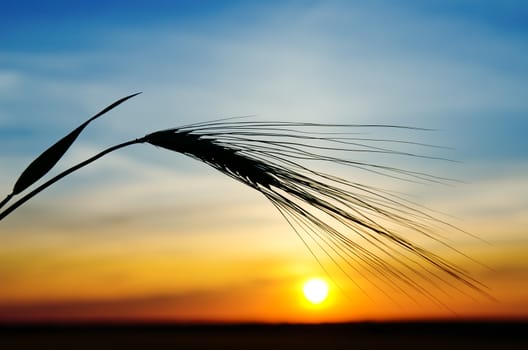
362 229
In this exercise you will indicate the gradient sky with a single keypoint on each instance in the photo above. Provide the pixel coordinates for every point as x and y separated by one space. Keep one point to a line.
146 234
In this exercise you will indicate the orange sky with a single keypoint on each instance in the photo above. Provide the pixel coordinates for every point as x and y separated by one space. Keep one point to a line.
233 265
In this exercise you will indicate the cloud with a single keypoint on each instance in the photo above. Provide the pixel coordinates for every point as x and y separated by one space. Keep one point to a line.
331 63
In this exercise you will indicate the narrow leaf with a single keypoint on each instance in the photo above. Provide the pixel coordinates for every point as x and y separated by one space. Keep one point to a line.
43 163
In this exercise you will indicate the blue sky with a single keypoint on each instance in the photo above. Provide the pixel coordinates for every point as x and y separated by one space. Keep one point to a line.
443 63
456 66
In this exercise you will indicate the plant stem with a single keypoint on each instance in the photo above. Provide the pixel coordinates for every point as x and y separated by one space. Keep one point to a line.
5 200
66 172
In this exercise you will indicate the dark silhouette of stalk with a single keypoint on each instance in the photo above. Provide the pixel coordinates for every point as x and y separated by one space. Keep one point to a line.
47 160
56 178
360 228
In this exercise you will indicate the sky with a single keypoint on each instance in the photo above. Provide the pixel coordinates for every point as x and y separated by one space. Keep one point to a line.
146 234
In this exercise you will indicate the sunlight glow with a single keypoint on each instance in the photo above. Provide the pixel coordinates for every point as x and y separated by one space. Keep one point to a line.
315 290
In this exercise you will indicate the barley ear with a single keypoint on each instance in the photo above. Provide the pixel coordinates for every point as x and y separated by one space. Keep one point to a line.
43 163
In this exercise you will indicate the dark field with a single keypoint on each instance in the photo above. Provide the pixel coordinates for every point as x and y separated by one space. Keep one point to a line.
414 335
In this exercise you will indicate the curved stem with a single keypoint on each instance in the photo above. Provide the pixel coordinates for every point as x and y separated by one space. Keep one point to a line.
66 172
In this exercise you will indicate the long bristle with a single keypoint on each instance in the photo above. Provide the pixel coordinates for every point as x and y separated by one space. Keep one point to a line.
360 228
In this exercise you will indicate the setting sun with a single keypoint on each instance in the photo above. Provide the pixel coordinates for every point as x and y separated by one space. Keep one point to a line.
315 290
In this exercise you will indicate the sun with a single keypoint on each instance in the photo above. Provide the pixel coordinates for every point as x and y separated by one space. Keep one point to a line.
315 290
